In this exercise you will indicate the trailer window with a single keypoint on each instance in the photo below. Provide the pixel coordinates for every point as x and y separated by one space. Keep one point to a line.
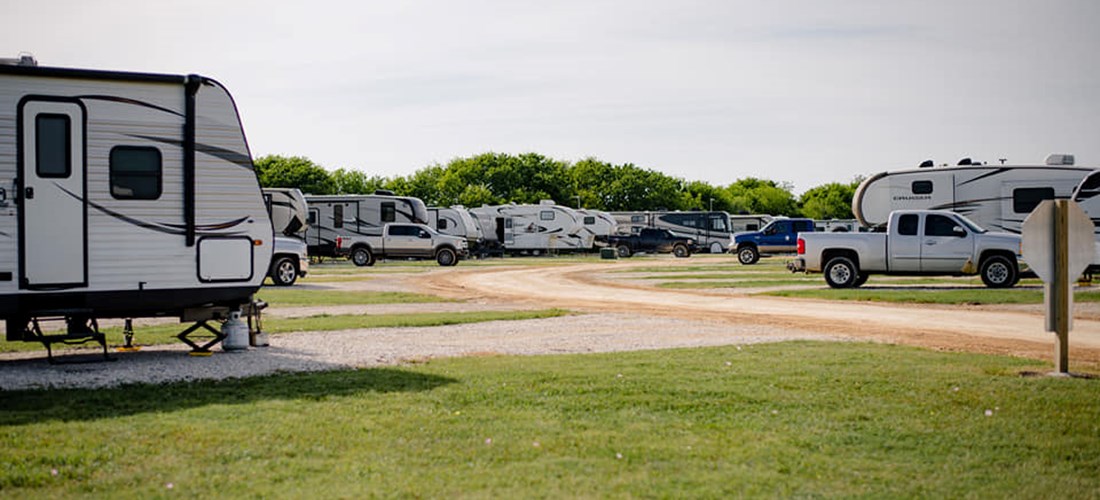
337 216
52 146
441 225
718 224
1024 200
389 211
907 224
590 221
312 220
546 215
135 173
637 218
922 187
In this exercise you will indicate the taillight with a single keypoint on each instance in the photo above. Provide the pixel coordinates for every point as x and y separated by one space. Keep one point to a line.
801 246
340 242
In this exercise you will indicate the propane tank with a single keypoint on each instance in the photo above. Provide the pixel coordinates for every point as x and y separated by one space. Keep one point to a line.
236 333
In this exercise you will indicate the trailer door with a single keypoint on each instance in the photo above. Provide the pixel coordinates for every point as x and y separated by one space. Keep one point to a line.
53 216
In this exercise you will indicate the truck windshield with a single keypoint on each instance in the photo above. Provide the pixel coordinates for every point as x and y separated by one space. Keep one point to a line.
973 226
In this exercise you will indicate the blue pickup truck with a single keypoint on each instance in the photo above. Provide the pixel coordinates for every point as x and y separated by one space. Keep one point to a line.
779 236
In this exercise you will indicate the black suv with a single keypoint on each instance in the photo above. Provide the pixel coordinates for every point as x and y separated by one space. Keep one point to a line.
653 241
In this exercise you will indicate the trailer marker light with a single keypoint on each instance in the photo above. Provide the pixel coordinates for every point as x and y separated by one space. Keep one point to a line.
258 242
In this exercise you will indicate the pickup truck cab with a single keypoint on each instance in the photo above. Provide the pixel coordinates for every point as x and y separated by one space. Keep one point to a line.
403 241
652 240
916 242
779 236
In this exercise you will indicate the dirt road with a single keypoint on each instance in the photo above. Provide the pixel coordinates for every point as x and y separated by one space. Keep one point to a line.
589 287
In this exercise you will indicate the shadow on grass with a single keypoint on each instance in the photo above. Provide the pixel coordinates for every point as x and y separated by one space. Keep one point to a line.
69 405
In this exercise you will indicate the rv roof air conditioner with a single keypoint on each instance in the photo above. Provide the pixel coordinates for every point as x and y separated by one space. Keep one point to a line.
23 60
927 164
1060 159
384 192
966 161
547 202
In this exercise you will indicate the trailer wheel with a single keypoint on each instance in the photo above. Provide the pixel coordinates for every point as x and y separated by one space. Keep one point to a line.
624 251
446 257
284 272
748 255
999 271
680 250
361 256
841 272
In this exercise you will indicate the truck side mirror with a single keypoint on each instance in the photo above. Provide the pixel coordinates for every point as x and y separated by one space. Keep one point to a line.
958 231
424 234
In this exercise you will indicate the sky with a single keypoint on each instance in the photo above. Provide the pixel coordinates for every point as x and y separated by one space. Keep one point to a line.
800 92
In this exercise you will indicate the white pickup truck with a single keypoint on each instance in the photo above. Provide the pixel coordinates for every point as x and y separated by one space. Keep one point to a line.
917 242
403 241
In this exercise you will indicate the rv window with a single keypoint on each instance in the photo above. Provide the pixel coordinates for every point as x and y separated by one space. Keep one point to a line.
637 218
939 225
389 212
718 224
508 223
922 187
312 220
52 146
546 215
337 216
1024 200
135 173
590 221
441 225
907 225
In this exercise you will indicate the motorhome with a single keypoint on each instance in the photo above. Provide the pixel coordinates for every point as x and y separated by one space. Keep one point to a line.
331 216
600 224
456 221
289 211
997 197
532 229
123 195
710 230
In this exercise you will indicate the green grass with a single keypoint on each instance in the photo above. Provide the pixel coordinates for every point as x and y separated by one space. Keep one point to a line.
299 296
784 420
933 296
166 334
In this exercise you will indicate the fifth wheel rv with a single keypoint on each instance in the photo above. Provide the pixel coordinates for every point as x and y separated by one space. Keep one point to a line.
711 231
532 229
124 195
331 216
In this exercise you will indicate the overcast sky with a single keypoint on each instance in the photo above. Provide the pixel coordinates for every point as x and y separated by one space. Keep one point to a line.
803 92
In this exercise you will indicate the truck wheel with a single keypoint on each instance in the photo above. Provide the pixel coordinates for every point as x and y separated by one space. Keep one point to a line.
681 250
623 251
860 280
446 257
999 271
361 256
283 272
748 255
717 248
841 272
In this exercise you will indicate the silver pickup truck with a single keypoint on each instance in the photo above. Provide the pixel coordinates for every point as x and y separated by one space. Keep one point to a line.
917 242
403 241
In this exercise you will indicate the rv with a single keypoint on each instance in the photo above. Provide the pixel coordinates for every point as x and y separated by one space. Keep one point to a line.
600 224
124 195
331 216
997 197
289 211
1087 195
710 230
748 222
532 229
456 221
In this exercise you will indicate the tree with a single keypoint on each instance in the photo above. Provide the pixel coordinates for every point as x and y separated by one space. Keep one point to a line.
355 182
293 172
763 197
829 201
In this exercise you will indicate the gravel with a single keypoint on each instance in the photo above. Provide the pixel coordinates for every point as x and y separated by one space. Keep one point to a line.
336 350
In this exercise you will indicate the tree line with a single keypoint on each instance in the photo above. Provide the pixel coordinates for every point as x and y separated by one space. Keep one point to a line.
497 178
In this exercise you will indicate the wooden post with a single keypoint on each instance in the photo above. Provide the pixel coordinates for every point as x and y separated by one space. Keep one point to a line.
1061 287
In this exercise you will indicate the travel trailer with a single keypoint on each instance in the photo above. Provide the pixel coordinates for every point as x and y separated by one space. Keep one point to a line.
600 224
710 230
532 229
456 221
331 216
289 211
1087 195
124 195
997 197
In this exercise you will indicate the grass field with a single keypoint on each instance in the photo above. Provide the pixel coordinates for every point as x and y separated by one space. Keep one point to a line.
792 419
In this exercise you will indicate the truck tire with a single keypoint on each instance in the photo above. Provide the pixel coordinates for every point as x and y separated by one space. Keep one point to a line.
361 256
623 251
681 250
446 257
748 255
841 272
860 280
283 271
999 271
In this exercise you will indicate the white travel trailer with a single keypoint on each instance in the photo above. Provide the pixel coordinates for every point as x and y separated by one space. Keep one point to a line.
600 224
998 197
1087 195
456 221
332 216
710 230
533 229
124 195
289 211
